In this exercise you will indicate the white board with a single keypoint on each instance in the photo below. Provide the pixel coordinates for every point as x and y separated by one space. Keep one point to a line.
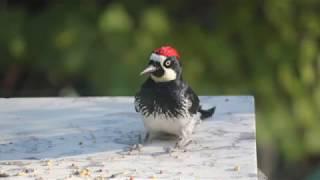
54 138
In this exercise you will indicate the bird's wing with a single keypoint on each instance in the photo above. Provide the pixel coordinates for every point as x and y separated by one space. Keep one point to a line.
193 100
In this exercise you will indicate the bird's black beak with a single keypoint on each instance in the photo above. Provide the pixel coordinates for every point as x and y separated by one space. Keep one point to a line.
149 69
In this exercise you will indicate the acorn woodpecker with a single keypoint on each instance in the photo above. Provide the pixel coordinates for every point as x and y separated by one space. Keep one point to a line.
166 102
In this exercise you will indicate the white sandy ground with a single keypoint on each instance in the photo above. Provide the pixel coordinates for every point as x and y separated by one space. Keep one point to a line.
90 138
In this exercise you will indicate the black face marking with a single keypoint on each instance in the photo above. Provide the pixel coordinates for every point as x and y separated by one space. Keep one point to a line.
159 72
170 62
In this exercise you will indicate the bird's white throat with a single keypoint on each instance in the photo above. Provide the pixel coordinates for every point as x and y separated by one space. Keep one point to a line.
168 75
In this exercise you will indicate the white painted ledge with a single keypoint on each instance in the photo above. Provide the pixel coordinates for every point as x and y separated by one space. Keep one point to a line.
54 138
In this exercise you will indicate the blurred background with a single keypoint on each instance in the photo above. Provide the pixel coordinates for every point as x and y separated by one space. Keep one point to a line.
266 48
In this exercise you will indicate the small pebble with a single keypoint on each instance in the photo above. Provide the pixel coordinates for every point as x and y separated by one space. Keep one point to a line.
84 172
21 174
236 168
115 175
74 166
49 163
100 178
2 175
29 171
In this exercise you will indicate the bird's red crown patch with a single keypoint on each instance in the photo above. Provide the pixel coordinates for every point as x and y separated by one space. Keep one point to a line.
167 51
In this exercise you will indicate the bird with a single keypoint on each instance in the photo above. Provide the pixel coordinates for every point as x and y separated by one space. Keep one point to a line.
168 105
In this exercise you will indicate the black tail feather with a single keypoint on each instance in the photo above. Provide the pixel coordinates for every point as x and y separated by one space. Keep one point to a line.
206 113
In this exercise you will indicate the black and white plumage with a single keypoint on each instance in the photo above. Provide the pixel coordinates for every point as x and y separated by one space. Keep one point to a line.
166 102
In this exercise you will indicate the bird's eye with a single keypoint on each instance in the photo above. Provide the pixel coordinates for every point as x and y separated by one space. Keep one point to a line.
167 63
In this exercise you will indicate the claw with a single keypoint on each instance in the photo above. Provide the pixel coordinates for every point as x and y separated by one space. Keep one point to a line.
182 143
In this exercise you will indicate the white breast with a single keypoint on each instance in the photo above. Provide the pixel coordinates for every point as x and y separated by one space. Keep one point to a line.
177 126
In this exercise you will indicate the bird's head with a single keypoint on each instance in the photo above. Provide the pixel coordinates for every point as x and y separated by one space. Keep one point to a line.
163 65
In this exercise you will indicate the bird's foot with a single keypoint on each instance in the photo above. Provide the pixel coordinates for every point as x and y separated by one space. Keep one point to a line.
135 147
182 143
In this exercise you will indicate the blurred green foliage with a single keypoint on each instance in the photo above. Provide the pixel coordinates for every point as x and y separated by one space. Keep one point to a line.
269 49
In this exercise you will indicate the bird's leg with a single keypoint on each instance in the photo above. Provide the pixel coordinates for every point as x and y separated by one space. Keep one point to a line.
184 140
185 135
148 137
